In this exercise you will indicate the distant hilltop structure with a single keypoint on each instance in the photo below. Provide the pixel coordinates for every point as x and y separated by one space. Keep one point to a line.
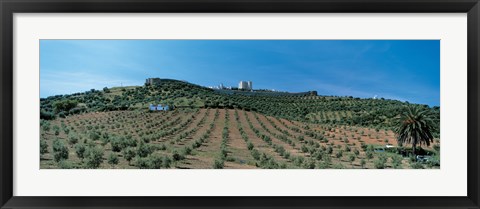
221 86
152 81
245 85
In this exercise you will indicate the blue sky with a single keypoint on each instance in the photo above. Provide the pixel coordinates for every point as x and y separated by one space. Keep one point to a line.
393 69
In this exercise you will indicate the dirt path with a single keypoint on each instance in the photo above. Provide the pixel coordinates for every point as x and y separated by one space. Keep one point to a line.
277 122
293 151
192 159
189 130
179 127
259 143
205 155
237 146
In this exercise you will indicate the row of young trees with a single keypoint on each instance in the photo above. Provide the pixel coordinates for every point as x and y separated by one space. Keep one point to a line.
362 112
416 130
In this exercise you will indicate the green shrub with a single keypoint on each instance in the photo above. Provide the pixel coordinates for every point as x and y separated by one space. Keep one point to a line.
223 153
327 158
433 161
64 105
347 148
323 165
383 157
338 166
155 161
309 164
146 139
72 139
43 147
45 125
186 151
255 154
339 154
93 157
298 161
166 161
363 146
304 149
80 150
143 150
356 152
94 136
267 162
218 164
129 153
66 130
370 148
117 144
363 162
142 163
397 161
64 164
177 156
329 149
250 145
416 165
379 164
60 151
104 141
351 159
129 141
162 147
230 159
112 159
369 155
45 115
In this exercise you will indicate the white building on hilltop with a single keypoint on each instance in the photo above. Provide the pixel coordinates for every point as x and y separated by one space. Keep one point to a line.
245 85
152 81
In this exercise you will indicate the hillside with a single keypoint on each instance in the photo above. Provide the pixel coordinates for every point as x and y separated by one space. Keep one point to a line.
210 138
112 128
334 110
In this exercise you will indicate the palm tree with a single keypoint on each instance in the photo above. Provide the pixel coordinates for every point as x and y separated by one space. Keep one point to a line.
415 126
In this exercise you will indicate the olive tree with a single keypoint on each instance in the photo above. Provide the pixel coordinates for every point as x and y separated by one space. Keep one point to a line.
60 151
93 157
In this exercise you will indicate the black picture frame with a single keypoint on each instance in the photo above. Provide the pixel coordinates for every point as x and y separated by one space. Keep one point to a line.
9 7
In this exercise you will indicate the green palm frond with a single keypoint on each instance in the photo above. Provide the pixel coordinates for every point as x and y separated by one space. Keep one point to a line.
414 127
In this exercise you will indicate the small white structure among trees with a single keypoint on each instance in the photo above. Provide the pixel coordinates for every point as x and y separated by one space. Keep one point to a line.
159 107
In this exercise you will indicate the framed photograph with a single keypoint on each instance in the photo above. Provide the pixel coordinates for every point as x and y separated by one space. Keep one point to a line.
239 104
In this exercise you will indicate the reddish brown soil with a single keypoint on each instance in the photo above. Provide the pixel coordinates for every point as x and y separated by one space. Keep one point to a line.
138 124
294 151
209 150
237 146
259 143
